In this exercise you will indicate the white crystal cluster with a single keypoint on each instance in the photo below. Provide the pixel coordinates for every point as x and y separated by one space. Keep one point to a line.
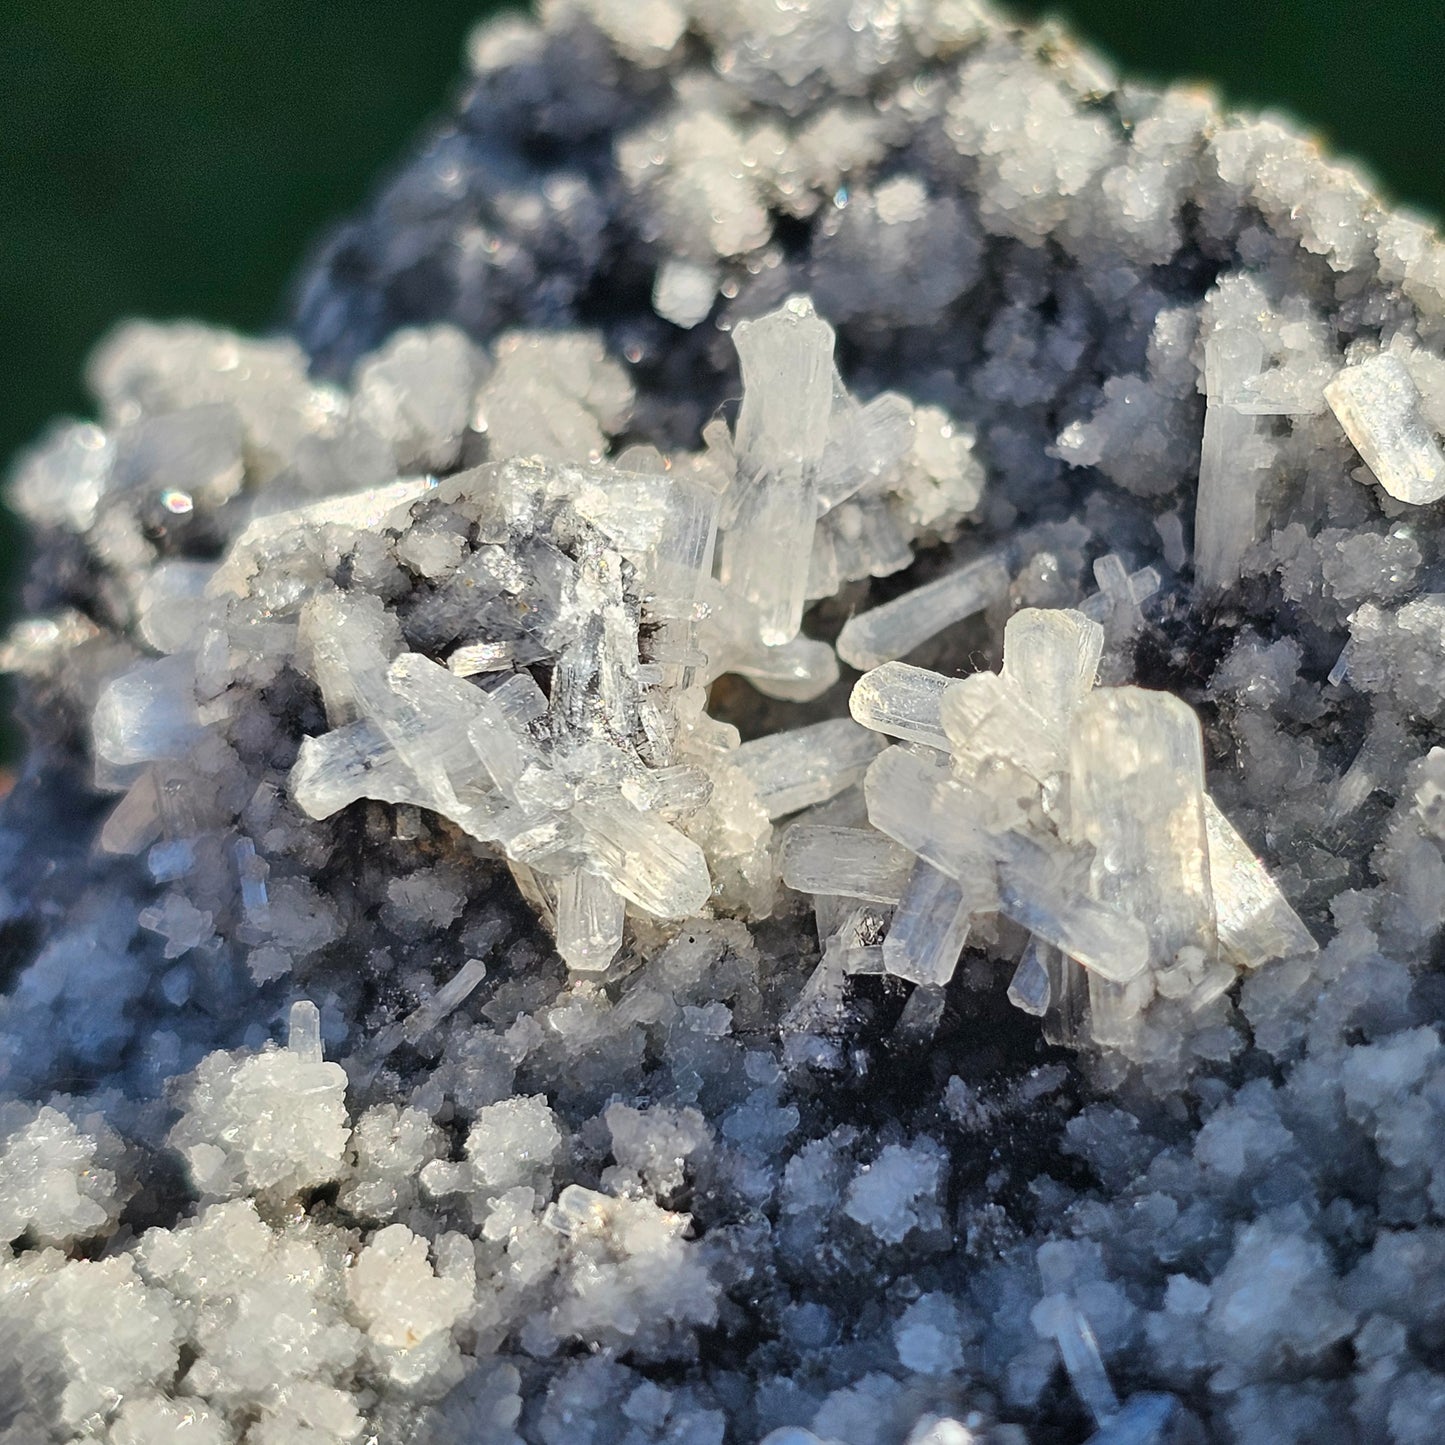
61 1183
244 1320
814 692
633 584
1078 814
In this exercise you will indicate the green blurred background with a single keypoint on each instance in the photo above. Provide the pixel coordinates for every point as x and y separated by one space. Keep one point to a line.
176 157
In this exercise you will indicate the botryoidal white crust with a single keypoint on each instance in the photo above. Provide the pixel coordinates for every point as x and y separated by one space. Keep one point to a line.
820 724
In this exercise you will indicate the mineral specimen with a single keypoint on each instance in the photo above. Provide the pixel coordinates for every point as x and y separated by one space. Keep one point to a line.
813 690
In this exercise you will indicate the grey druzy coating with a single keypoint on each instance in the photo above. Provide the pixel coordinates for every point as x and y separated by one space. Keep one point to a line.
687 1037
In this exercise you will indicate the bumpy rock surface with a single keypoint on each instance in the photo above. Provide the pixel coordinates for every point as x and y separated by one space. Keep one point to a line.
814 691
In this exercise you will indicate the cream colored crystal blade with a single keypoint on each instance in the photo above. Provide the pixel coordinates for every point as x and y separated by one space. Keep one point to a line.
847 862
1037 891
782 433
340 767
1138 797
907 801
988 718
794 769
645 859
1378 405
1233 461
893 630
903 702
589 921
1030 988
1052 654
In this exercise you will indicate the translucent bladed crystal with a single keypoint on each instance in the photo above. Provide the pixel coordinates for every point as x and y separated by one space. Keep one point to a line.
1138 798
901 701
1234 459
929 928
782 432
304 1031
1254 919
1378 405
988 717
908 800
589 921
794 769
848 862
897 627
1030 989
1053 655
645 859
362 511
1036 890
